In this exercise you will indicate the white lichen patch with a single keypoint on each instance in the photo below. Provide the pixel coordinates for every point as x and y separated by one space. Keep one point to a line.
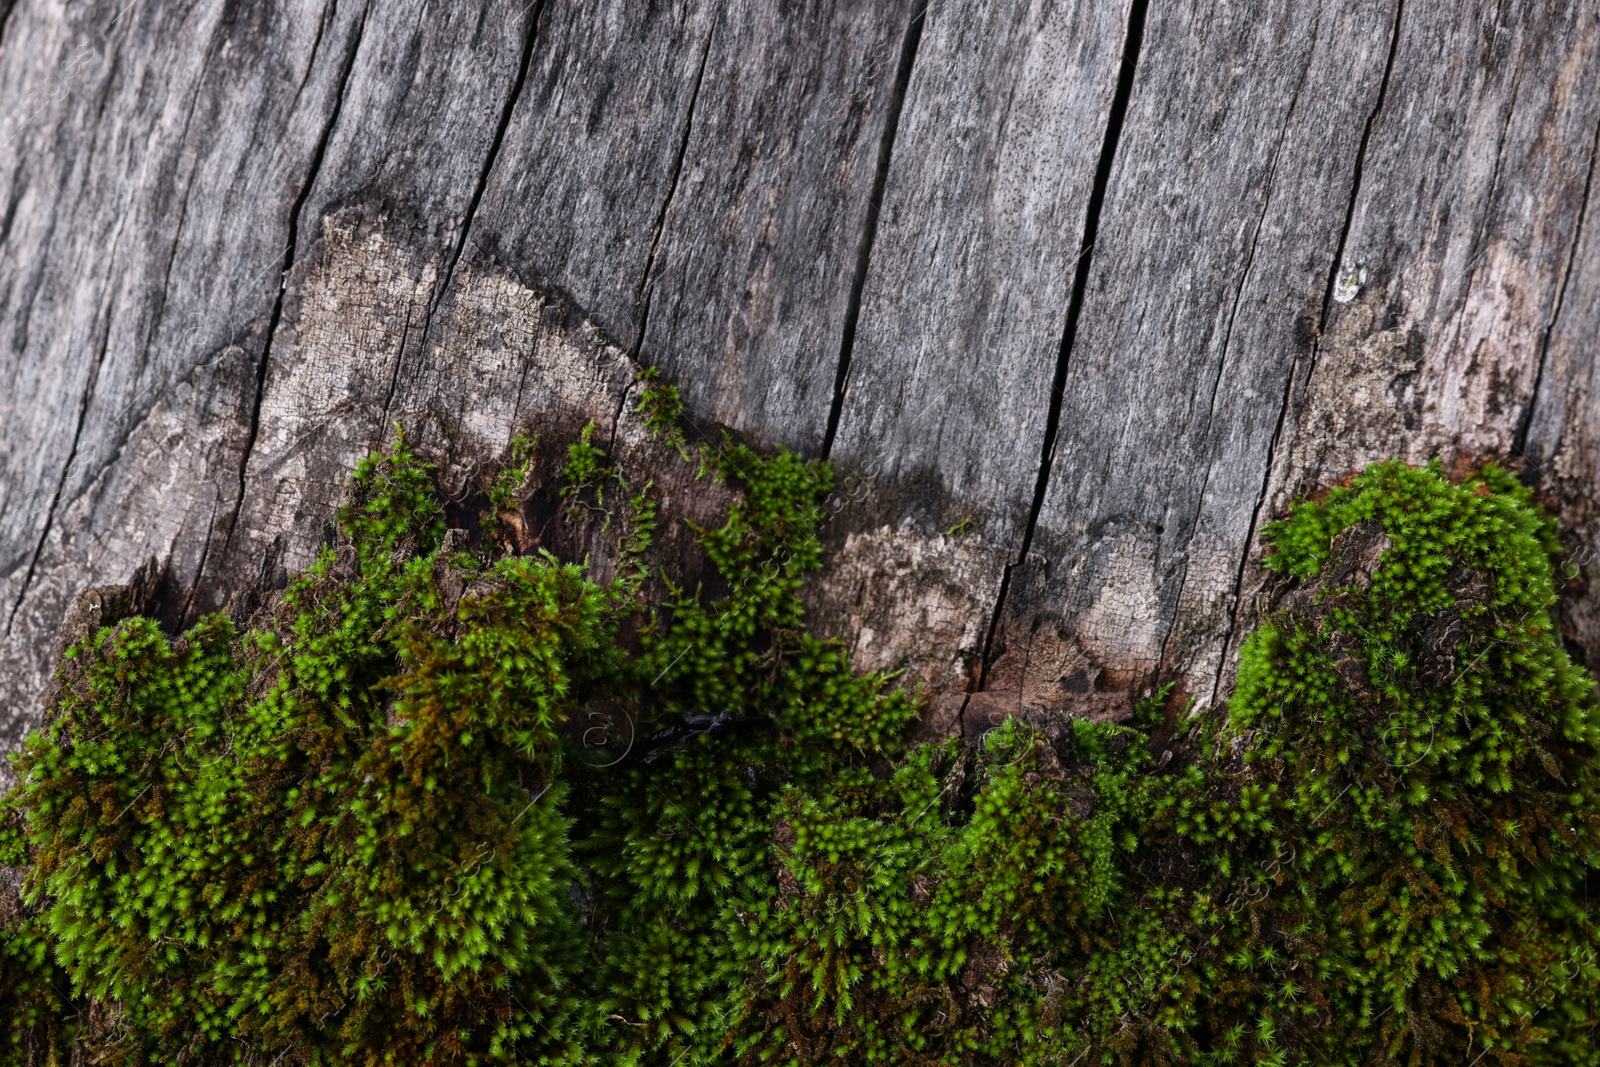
1351 280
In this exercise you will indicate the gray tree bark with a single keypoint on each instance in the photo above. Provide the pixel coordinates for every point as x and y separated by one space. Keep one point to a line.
1077 295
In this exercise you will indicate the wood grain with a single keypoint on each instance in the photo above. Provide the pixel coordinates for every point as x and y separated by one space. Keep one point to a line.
241 242
1210 265
752 281
965 302
150 200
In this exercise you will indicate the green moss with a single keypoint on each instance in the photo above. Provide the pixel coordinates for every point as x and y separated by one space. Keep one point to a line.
661 406
365 827
587 473
503 488
1380 854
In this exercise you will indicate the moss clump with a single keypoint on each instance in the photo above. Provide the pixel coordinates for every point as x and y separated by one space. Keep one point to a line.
360 831
1380 854
366 827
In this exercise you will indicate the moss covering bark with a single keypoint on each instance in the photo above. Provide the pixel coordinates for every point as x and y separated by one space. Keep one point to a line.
367 825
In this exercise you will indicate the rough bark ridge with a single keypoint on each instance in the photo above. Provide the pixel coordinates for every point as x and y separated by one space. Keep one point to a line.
1078 295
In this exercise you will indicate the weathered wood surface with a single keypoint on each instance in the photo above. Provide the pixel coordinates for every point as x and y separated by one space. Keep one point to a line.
1077 295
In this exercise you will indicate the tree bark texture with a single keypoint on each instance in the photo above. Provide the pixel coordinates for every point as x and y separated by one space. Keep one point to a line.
1076 294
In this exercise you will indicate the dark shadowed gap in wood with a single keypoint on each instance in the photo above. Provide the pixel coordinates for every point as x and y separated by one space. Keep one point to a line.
184 619
1519 440
529 38
6 8
869 232
616 419
1355 184
295 210
1322 324
1227 341
643 293
1132 41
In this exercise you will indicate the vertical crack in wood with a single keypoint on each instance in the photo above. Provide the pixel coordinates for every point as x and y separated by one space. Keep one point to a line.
161 316
1227 341
1355 183
616 418
1322 325
296 209
1132 41
1519 440
502 124
183 210
184 620
869 231
1481 224
422 345
645 289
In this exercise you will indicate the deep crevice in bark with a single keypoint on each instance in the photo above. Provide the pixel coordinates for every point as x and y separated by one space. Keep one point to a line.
185 619
504 123
1115 118
616 419
1519 440
1355 183
643 293
1322 325
1227 341
869 235
295 211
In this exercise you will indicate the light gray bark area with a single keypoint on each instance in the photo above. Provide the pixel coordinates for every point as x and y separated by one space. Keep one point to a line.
592 151
1212 255
980 230
951 368
754 274
239 243
149 204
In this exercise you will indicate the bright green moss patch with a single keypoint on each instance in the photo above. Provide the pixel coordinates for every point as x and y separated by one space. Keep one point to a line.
369 825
